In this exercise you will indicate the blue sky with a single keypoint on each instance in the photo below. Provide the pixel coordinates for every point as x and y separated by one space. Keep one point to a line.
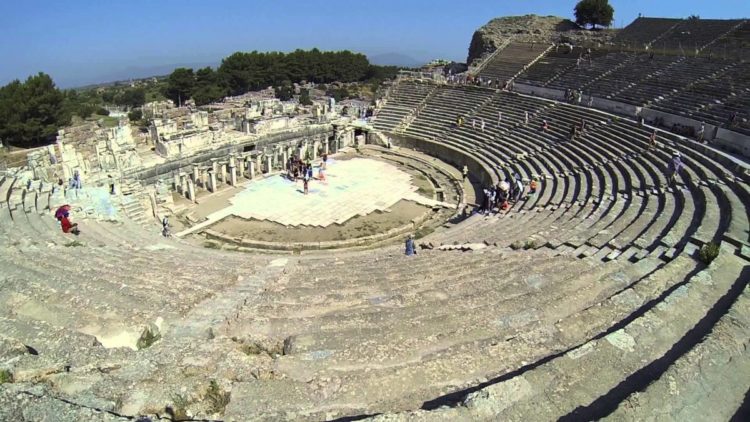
80 42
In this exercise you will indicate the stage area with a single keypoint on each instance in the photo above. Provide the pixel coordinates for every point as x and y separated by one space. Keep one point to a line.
352 187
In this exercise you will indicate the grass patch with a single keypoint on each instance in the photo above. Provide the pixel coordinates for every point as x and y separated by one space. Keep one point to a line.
217 398
147 338
178 410
5 376
708 252
530 244
74 244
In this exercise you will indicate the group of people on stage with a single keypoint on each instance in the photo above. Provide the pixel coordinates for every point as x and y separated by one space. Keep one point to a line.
299 169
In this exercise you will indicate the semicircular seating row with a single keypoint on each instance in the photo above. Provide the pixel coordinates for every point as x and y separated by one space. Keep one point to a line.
609 300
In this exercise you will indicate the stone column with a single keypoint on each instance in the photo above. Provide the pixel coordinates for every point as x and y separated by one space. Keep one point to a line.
196 174
184 184
215 165
204 177
326 147
212 180
285 157
240 167
269 163
177 182
191 190
223 170
259 164
315 147
233 169
251 169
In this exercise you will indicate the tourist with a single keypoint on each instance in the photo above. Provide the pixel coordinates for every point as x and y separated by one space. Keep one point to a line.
583 126
62 215
465 172
573 131
591 101
701 132
526 118
652 140
545 126
519 189
732 118
410 248
309 172
474 123
28 185
165 227
533 185
305 185
502 197
673 168
111 184
482 124
487 201
77 180
499 118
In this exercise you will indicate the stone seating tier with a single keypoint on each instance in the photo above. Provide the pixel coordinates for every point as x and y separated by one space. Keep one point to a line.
607 302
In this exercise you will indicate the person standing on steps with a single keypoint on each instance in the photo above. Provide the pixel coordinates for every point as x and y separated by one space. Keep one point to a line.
409 246
499 118
701 132
482 125
652 141
165 227
305 185
465 172
674 167
526 118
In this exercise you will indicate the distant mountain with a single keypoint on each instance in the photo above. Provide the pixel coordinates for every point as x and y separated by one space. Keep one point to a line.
395 59
127 73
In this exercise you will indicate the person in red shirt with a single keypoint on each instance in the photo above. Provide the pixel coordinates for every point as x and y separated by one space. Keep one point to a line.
68 227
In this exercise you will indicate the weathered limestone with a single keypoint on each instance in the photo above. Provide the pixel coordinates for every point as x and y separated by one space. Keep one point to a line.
191 190
212 180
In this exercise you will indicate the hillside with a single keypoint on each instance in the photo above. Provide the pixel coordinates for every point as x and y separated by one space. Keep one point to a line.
531 28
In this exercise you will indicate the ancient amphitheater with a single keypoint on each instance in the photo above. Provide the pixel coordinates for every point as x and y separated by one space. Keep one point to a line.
589 300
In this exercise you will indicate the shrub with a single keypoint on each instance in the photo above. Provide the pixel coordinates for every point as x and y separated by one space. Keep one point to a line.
5 376
135 115
709 252
217 398
148 337
102 111
73 244
530 244
179 407
517 245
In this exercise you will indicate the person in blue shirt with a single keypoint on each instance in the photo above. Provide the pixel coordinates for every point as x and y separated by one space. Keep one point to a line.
410 249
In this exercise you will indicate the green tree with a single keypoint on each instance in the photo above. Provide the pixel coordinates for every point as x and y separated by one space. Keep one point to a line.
284 92
132 97
594 12
135 115
304 97
180 85
31 112
210 86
